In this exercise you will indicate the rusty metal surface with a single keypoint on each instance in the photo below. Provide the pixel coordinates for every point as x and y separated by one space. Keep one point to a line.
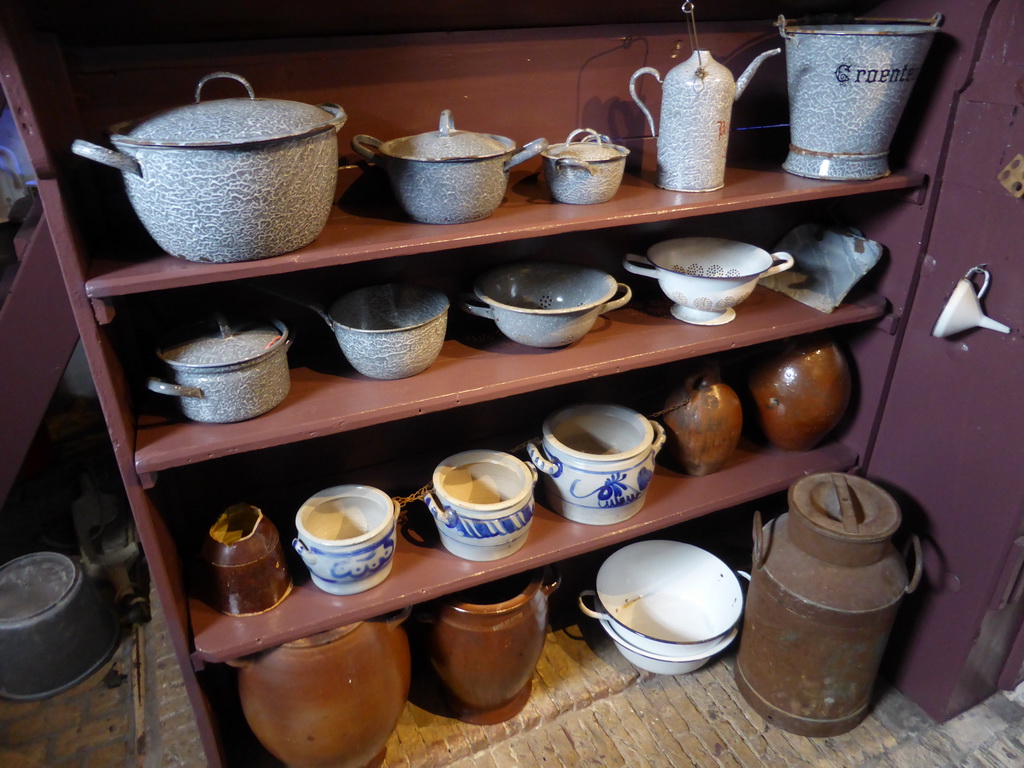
815 630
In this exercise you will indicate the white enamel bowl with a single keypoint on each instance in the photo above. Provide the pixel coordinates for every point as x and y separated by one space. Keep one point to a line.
706 277
662 664
661 595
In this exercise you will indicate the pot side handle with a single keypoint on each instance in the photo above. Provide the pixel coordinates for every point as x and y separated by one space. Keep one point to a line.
541 462
572 162
532 149
338 115
638 100
621 301
639 265
364 146
469 303
587 610
174 390
437 510
781 261
118 160
659 437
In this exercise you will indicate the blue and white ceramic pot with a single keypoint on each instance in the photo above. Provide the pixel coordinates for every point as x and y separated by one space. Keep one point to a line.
482 503
346 537
598 461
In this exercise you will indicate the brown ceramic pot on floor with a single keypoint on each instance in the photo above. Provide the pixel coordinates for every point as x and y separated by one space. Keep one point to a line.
802 392
704 421
331 699
484 644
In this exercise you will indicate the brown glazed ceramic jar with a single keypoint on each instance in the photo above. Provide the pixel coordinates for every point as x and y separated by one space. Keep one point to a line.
245 566
704 421
484 644
802 392
330 699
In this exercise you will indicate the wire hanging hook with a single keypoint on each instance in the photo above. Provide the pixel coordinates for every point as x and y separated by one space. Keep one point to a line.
688 9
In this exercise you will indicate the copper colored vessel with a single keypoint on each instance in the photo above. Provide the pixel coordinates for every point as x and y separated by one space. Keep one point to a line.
331 699
484 644
826 585
704 421
245 566
802 392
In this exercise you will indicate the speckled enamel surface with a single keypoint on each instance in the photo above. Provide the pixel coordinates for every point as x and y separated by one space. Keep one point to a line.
238 204
847 92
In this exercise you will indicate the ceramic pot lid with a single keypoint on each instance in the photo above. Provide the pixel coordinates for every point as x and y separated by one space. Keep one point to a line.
228 122
447 143
218 343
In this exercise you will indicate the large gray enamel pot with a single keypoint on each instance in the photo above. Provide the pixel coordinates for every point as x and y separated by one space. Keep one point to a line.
224 373
447 176
230 179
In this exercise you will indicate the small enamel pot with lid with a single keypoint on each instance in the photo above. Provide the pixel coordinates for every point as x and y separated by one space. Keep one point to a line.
223 372
586 171
447 176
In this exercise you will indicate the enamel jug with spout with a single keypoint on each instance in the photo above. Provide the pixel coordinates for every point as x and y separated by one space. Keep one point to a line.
696 110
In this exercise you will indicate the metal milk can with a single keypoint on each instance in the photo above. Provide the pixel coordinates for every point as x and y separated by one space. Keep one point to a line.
826 583
696 109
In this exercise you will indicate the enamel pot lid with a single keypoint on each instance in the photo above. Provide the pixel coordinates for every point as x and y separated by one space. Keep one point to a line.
230 122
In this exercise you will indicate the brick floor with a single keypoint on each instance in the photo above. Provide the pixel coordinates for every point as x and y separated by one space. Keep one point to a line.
589 707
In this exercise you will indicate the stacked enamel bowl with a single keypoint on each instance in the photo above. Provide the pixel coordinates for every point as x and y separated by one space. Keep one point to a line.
668 606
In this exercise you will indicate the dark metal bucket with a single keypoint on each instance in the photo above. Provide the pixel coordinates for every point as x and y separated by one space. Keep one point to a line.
55 630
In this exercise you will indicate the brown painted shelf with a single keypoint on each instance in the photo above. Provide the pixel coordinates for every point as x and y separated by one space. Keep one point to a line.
423 573
627 339
360 232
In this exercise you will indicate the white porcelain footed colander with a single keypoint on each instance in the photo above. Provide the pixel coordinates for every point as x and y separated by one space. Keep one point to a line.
706 277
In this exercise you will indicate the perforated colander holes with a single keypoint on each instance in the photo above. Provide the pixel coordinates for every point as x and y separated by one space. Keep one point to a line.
546 301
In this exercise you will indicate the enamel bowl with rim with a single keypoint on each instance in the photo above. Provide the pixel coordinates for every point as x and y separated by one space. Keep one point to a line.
665 594
706 277
544 304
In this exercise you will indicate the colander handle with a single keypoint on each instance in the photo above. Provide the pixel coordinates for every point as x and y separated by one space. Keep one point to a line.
472 305
781 261
639 265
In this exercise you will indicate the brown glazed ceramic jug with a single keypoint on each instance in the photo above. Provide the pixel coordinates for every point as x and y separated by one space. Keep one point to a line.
484 644
245 565
801 392
330 699
704 421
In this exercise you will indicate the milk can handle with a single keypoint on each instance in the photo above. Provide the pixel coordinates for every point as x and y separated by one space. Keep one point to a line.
757 558
915 578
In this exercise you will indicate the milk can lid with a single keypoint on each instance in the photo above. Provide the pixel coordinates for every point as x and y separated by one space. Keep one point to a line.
846 507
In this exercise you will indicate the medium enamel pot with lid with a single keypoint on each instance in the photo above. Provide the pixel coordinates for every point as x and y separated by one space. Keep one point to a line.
447 176
225 373
228 180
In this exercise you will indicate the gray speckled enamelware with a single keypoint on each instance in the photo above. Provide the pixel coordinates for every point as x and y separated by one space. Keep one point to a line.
390 331
447 176
545 304
224 373
584 172
848 86
230 179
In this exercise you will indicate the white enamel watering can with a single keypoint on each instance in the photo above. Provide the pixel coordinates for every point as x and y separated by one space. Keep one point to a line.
696 109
